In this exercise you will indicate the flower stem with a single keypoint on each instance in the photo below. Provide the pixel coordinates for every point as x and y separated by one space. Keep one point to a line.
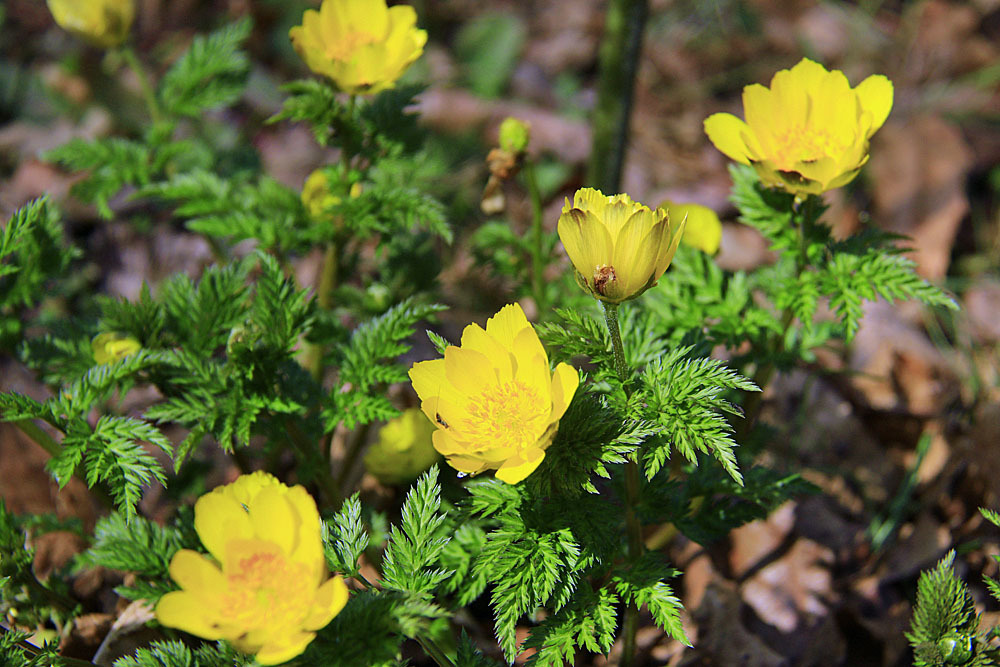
538 235
619 62
128 53
53 448
633 528
805 211
41 438
326 283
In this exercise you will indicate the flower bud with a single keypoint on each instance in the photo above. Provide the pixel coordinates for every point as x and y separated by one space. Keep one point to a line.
102 22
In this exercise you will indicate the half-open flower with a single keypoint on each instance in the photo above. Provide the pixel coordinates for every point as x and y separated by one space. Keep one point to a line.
703 229
494 399
807 133
102 22
112 346
403 449
619 247
264 586
362 45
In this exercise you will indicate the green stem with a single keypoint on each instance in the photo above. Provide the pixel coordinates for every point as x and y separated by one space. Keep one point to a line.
323 476
611 318
538 236
325 286
435 652
762 377
619 61
41 438
633 527
354 448
53 448
128 53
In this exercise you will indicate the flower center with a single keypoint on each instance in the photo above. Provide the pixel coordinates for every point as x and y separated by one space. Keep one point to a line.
346 45
805 144
508 415
265 590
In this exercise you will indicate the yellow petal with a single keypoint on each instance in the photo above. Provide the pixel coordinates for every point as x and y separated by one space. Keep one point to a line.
273 518
330 599
218 519
565 380
290 646
636 251
588 243
875 94
726 131
476 339
187 612
430 380
519 467
506 324
308 546
196 574
469 371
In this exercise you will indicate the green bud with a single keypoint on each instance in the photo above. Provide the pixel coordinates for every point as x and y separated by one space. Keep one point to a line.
514 135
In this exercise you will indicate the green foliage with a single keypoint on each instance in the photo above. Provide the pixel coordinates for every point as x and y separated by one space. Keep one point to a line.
686 398
574 334
345 538
412 554
868 265
539 552
489 47
109 451
944 629
366 632
212 73
385 208
591 436
707 503
368 362
112 162
139 546
588 622
863 267
643 583
17 651
371 128
32 254
236 208
176 654
22 596
697 303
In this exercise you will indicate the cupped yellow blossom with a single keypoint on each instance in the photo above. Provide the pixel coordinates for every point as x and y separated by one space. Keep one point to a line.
102 22
362 45
264 585
110 347
807 133
703 229
619 247
318 195
403 449
494 399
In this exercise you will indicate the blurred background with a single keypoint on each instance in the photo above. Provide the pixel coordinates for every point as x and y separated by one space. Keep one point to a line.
901 431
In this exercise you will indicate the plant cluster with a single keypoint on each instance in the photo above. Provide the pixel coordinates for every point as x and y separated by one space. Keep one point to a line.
575 446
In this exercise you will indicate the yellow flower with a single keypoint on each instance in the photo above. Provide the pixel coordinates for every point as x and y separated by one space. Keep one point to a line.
403 449
495 402
619 247
103 22
110 347
807 133
318 196
265 587
362 45
703 229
